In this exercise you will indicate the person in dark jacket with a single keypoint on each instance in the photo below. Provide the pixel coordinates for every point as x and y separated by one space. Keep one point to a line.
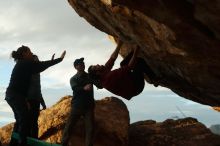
35 99
17 91
82 104
126 81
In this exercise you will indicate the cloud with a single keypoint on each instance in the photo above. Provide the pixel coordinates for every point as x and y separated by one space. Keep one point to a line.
49 29
2 89
30 22
4 107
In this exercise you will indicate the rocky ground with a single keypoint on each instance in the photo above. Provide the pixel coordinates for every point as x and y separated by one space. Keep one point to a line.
113 128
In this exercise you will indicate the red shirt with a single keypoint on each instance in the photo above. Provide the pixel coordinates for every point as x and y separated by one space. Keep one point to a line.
120 81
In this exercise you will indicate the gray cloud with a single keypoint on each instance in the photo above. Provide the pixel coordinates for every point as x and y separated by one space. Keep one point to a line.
46 21
47 27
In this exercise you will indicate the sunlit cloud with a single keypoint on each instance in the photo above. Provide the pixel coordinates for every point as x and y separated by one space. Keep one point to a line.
5 108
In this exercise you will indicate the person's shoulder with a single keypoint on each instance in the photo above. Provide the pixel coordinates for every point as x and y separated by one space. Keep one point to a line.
74 77
86 73
24 63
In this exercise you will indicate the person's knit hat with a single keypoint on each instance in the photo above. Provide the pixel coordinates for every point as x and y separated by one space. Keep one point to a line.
78 61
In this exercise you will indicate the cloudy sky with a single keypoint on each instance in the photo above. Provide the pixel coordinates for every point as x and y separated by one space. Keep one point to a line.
51 26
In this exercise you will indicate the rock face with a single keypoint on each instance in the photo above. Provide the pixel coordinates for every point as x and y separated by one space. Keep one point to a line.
178 39
111 118
217 108
184 132
5 133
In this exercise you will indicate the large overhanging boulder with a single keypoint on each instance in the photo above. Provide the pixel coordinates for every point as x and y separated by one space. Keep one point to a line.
178 39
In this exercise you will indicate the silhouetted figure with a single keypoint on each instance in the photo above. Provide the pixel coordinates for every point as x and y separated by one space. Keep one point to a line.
16 93
35 99
82 104
126 81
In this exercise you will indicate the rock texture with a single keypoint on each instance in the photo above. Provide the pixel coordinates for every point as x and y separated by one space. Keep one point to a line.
217 108
179 39
184 132
5 133
111 116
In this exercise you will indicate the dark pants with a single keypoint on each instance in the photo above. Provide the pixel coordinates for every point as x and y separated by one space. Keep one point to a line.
21 126
140 66
34 112
73 118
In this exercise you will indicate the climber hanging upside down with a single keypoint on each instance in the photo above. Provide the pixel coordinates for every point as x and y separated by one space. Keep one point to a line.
126 81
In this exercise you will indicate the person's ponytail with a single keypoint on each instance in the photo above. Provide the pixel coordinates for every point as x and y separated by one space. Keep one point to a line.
14 55
18 55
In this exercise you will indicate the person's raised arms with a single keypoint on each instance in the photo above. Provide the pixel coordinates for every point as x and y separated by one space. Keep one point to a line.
133 59
63 54
117 49
52 58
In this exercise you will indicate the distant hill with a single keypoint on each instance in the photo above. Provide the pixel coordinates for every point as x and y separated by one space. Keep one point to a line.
215 129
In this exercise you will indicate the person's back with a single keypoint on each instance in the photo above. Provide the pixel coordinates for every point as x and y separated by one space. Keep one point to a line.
123 82
20 80
34 91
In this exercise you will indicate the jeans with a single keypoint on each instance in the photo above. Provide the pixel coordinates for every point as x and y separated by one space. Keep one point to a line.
89 125
21 126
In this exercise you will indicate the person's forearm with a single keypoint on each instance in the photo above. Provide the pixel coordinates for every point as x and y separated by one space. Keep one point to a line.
116 51
133 59
43 65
